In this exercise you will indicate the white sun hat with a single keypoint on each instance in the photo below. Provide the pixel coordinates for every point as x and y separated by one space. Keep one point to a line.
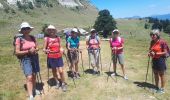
116 30
74 30
25 25
51 27
92 30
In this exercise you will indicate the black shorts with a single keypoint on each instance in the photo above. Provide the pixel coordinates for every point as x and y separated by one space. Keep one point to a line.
55 62
159 64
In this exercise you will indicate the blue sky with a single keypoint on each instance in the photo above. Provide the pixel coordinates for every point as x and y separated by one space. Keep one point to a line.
129 8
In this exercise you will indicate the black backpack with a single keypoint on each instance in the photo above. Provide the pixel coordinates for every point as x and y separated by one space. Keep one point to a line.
20 36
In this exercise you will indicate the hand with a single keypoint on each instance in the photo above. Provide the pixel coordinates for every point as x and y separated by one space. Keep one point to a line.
46 51
114 48
32 50
152 54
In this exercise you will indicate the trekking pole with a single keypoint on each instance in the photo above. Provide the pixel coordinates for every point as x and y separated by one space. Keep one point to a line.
147 70
72 71
109 68
100 60
82 62
115 65
41 82
89 57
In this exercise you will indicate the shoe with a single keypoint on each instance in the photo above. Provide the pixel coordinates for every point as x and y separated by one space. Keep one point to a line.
125 77
114 74
36 92
160 90
77 75
57 85
98 73
64 87
31 98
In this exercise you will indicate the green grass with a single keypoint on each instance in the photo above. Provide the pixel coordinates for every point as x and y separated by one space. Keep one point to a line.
88 87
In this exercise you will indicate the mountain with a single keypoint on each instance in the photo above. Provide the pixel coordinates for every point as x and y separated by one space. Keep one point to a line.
61 13
133 17
163 17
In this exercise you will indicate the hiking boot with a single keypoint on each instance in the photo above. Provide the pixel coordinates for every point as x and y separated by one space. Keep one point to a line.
161 91
64 87
57 85
125 77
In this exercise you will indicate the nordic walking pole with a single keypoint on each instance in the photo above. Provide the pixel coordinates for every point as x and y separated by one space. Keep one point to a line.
109 68
41 82
82 62
147 70
89 58
100 60
115 60
48 75
71 70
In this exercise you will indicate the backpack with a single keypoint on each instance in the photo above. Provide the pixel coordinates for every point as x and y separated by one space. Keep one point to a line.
96 38
20 36
167 48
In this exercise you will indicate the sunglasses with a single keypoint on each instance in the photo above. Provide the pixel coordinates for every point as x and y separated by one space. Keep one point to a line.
26 28
152 34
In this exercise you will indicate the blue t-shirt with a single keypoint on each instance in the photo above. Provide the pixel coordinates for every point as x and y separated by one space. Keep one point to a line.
74 42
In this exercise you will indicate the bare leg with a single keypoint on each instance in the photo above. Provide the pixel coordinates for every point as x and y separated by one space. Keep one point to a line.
123 69
30 85
163 79
156 78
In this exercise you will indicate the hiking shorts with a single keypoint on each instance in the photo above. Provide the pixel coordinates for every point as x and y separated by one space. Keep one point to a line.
94 57
118 57
159 64
30 64
55 62
73 56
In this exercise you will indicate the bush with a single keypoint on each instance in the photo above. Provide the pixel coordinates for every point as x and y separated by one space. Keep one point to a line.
167 29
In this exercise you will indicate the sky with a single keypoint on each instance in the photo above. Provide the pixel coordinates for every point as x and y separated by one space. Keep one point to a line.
129 8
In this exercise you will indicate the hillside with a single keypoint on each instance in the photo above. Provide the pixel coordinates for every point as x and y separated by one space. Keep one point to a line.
57 14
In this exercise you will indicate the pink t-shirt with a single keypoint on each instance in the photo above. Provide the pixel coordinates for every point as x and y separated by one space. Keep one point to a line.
26 45
118 42
53 44
93 42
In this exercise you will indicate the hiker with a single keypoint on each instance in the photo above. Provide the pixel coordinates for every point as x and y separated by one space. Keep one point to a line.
158 51
26 49
54 51
93 47
73 43
117 45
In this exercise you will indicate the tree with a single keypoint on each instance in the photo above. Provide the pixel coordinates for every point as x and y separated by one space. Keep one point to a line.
105 22
167 29
147 26
30 5
157 25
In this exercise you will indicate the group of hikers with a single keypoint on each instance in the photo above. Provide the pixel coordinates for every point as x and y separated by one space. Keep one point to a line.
26 49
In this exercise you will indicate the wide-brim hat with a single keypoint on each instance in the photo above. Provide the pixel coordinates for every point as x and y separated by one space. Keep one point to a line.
25 25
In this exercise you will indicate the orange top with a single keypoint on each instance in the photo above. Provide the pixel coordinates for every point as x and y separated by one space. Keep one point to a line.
157 48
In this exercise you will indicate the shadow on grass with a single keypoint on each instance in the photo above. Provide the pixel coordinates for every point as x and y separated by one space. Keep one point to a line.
109 74
70 75
51 82
145 85
89 71
39 86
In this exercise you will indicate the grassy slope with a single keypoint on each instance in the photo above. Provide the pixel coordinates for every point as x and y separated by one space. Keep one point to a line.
88 87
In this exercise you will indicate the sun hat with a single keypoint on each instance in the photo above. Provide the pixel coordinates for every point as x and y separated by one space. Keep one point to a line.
116 30
25 25
92 30
51 27
74 30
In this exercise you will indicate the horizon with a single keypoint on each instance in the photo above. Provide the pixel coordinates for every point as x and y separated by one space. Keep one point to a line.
131 8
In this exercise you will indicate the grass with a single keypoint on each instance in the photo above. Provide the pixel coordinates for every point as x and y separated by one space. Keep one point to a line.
88 87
